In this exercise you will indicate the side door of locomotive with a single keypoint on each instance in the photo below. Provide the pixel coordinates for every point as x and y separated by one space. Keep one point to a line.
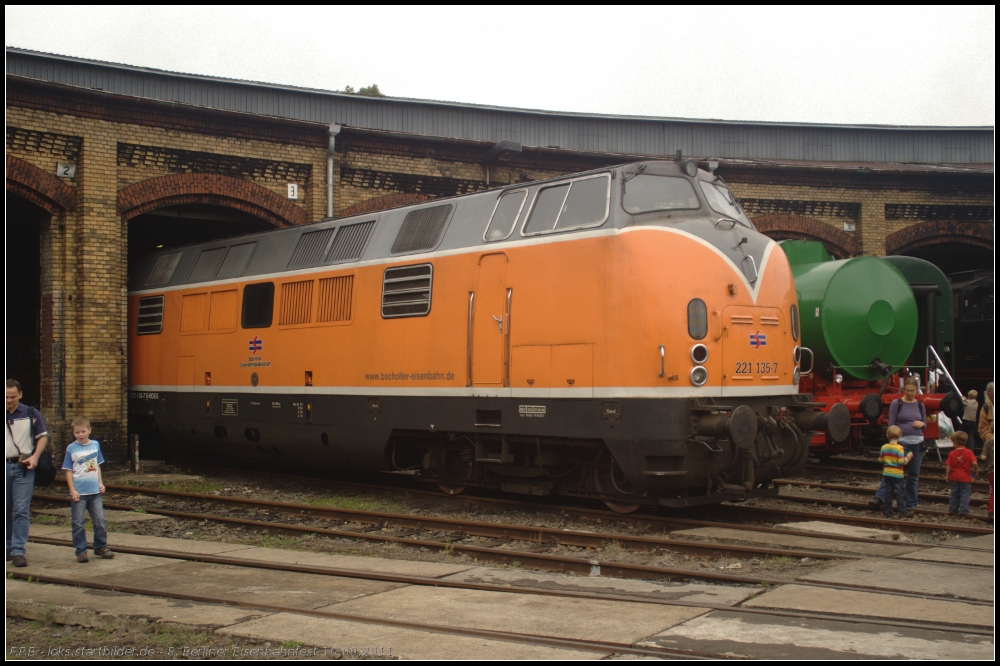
489 322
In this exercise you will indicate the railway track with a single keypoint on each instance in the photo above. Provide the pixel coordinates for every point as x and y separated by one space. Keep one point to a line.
774 515
938 480
738 511
409 579
933 497
540 535
529 545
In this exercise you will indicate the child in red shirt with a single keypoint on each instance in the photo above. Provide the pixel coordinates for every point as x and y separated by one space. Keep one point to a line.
960 467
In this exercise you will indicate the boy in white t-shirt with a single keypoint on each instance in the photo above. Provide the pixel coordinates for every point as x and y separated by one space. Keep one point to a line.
83 478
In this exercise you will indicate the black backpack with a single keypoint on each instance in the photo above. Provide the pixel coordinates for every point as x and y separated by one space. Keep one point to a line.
45 470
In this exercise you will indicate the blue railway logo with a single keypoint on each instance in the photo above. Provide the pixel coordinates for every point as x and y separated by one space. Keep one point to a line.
758 340
256 345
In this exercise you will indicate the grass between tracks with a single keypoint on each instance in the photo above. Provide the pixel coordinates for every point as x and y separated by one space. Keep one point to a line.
363 503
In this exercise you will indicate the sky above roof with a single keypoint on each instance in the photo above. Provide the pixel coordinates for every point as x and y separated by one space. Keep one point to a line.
868 65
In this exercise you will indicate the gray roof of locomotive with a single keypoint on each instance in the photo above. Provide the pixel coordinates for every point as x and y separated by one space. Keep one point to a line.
465 228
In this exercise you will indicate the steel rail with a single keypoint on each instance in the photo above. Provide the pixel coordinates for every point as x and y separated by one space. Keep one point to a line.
490 634
672 522
538 535
558 563
863 506
874 463
428 581
769 514
861 491
876 472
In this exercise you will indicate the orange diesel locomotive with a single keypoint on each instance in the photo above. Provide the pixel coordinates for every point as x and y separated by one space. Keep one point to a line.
622 334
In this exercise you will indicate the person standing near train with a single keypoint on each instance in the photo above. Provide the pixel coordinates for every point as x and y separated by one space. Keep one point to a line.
910 415
970 417
986 434
24 442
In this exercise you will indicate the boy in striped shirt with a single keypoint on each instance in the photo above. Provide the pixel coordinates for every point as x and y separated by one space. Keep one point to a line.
894 458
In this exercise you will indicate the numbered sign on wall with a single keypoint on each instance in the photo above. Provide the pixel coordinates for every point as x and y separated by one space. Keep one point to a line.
293 191
66 170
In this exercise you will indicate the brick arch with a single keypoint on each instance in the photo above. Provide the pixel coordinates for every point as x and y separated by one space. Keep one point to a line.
39 187
205 188
384 203
780 227
932 232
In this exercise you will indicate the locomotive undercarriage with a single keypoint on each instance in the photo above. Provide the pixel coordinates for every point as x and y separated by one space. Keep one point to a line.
730 453
629 452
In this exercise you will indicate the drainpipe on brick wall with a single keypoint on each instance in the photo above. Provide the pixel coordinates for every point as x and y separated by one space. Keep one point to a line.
334 131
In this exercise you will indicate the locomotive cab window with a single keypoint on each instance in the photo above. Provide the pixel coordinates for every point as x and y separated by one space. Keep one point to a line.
645 193
150 316
258 305
578 204
505 215
723 202
794 314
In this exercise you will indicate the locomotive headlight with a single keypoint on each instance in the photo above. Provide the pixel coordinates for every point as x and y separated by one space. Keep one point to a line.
699 354
699 375
796 375
797 354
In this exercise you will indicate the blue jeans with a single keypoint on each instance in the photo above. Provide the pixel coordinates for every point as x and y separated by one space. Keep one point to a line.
95 506
20 486
912 474
958 500
894 488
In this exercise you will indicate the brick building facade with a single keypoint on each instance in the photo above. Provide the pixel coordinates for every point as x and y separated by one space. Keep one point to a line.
97 176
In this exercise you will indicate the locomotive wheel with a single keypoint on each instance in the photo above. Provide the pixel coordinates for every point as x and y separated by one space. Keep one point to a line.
605 470
456 468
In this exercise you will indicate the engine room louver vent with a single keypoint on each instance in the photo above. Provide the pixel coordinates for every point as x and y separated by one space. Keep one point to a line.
236 260
207 265
421 229
335 298
406 291
150 316
163 270
349 242
310 248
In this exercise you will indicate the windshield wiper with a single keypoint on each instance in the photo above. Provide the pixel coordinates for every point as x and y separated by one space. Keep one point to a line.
629 176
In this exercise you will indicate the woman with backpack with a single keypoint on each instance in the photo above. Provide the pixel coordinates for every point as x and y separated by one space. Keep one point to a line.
910 416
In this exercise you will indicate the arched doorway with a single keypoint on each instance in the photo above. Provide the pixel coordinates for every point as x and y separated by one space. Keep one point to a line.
35 199
839 244
23 296
964 251
185 209
954 247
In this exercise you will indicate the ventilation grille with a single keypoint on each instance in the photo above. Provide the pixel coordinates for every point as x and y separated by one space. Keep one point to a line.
193 312
150 316
163 270
222 311
406 291
310 248
349 242
296 303
207 264
421 229
335 297
236 260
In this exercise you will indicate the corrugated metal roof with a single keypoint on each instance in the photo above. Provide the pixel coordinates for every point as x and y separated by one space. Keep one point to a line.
625 135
